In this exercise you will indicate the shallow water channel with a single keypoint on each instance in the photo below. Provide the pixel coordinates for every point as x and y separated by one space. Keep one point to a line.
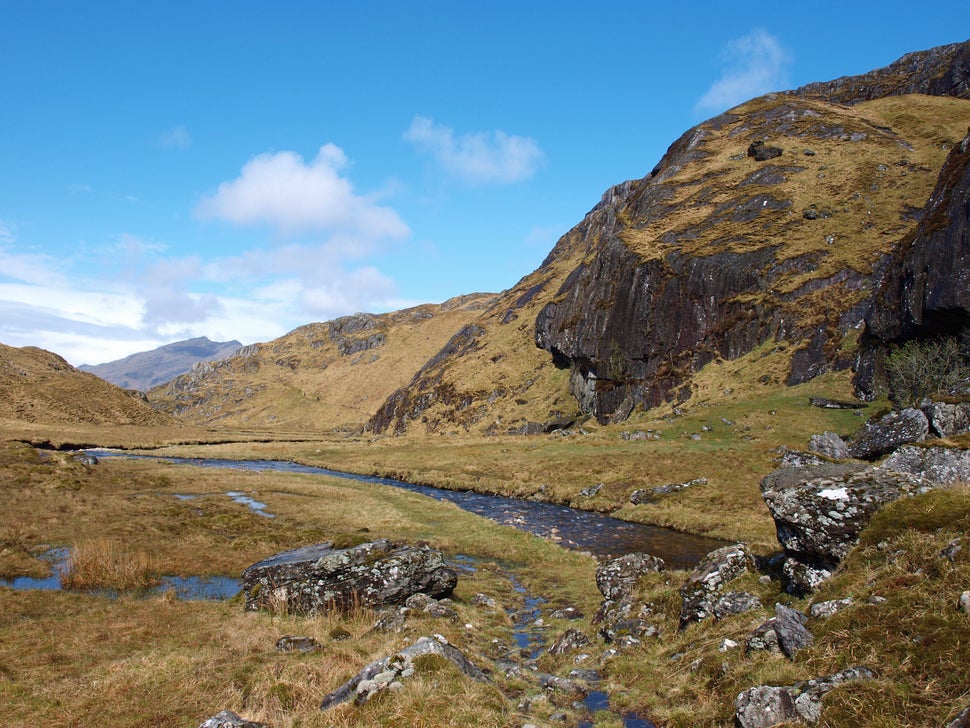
570 527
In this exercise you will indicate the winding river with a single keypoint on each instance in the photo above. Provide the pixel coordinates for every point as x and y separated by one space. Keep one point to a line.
571 527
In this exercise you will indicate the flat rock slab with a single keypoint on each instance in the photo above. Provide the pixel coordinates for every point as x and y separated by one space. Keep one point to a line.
317 578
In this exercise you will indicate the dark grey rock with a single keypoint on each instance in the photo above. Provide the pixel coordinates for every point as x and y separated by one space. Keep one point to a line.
567 613
897 428
591 490
421 602
317 578
830 445
825 403
797 459
736 602
766 706
706 582
618 577
763 638
228 719
641 496
624 632
392 620
378 675
291 643
763 152
568 641
790 628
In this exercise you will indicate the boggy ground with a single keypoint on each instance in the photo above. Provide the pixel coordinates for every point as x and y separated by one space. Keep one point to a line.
83 659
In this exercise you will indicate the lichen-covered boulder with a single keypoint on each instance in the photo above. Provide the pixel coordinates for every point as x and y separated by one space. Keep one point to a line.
617 580
318 578
875 439
947 419
830 445
933 465
765 706
819 513
703 588
387 672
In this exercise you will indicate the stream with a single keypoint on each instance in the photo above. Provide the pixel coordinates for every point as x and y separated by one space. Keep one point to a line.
570 527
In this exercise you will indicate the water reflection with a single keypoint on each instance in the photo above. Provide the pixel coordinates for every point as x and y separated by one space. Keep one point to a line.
186 588
571 527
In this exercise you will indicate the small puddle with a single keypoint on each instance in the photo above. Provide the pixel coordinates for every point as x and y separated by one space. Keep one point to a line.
254 505
598 700
186 588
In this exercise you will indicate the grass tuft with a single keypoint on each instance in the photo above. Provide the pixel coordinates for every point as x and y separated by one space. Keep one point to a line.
106 564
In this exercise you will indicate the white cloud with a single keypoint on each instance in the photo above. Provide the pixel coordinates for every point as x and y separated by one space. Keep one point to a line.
754 64
283 191
476 157
177 137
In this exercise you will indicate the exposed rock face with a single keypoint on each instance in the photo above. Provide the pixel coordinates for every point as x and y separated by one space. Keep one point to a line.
643 312
703 588
875 439
819 513
941 71
426 388
736 602
316 578
568 641
926 291
766 706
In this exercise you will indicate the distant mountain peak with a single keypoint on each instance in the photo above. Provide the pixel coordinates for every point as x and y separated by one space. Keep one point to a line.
148 369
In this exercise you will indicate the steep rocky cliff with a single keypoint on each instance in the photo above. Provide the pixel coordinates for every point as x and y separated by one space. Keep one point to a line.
926 291
722 248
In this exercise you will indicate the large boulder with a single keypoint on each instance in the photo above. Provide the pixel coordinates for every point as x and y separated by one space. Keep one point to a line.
875 439
317 578
819 513
704 586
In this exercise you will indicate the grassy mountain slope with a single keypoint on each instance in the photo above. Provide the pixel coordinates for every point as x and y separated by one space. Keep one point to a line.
46 400
320 376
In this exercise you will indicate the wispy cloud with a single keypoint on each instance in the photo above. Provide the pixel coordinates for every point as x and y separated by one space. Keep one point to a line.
753 65
284 192
177 137
6 234
479 157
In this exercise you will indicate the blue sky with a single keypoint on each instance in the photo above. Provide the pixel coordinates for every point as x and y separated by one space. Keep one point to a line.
237 169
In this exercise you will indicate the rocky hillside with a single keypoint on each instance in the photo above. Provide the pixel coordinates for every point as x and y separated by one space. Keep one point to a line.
37 386
770 225
148 369
319 376
772 222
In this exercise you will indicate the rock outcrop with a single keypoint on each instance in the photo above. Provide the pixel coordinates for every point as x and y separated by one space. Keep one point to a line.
228 719
926 290
317 578
657 296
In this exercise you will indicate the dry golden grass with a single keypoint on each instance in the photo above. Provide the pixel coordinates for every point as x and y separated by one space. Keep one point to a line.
103 564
